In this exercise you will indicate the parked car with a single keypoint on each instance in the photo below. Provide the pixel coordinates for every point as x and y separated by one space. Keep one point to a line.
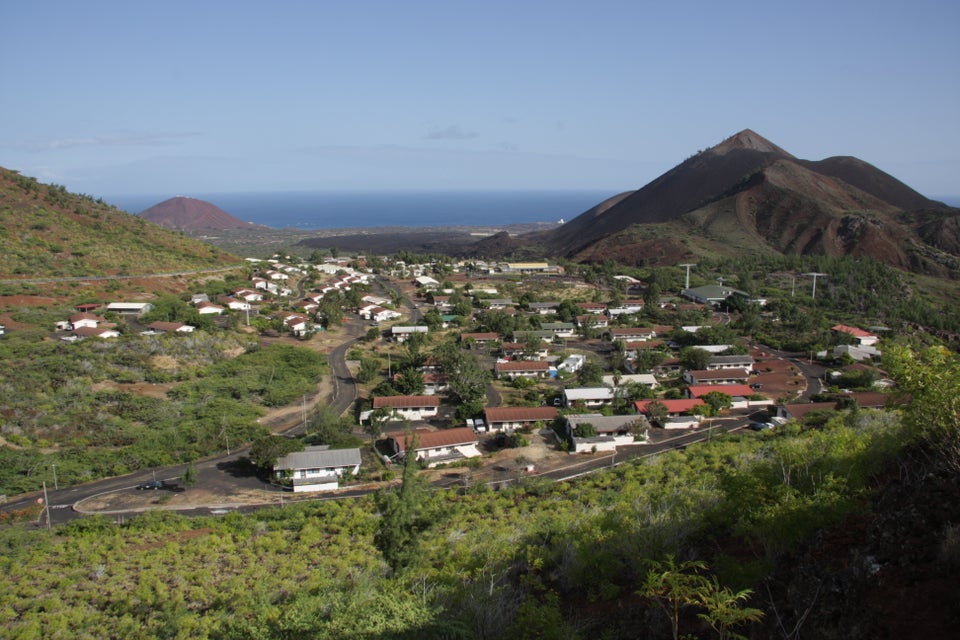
761 426
152 485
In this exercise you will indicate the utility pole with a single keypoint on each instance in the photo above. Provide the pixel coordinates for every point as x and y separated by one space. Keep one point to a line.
56 485
46 504
815 275
688 265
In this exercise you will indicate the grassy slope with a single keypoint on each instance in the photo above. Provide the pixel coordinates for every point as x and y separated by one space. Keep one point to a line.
45 231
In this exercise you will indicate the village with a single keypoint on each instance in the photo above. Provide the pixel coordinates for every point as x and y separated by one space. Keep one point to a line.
461 360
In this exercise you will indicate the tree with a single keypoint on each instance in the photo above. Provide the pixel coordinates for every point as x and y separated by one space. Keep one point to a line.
590 374
402 514
694 358
265 452
674 586
409 382
585 430
717 401
369 369
724 608
326 426
190 474
657 412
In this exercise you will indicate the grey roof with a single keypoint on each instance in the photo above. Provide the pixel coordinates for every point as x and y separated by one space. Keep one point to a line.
731 359
318 458
604 424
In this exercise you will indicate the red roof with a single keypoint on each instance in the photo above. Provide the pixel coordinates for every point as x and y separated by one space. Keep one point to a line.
523 365
700 390
673 406
405 402
853 331
519 414
433 439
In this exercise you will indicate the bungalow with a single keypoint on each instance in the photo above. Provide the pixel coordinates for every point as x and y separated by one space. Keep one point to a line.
522 368
863 338
80 320
407 407
730 362
732 390
712 294
170 327
497 303
248 294
130 308
426 283
402 334
588 397
480 338
318 468
527 336
209 308
521 351
628 429
559 329
638 334
297 325
435 447
435 383
572 363
596 308
592 321
857 353
511 418
234 304
646 379
668 366
544 308
798 411
626 309
679 413
96 332
716 376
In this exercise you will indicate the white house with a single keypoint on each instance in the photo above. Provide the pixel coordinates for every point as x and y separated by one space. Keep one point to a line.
646 379
406 407
588 396
402 334
318 468
435 447
510 418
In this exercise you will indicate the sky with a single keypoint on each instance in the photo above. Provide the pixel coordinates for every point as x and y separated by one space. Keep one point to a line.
120 97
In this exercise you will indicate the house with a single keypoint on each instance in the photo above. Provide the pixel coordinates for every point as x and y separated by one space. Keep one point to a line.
863 338
595 308
859 354
732 390
716 376
434 447
592 321
297 325
572 363
511 418
522 368
622 430
96 332
494 304
630 334
799 411
588 397
209 308
717 294
544 308
402 334
559 329
528 336
130 308
318 468
170 327
435 383
679 413
646 379
480 338
521 351
629 307
234 304
406 407
80 320
731 362
426 283
248 295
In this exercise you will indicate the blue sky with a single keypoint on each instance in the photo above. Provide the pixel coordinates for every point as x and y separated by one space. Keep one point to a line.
178 97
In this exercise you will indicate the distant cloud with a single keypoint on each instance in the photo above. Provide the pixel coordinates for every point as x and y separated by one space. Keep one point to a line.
453 132
507 146
105 140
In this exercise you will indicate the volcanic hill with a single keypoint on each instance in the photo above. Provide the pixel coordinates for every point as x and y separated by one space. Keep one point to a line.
190 214
746 194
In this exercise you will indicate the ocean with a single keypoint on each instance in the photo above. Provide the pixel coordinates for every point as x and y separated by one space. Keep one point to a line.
342 209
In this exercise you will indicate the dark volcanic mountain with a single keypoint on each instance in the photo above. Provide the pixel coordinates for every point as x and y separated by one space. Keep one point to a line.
191 214
747 194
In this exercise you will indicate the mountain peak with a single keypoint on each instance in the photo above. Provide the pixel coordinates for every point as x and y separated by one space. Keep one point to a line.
186 213
748 139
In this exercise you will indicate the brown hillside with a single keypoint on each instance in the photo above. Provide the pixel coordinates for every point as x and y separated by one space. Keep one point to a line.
748 194
190 214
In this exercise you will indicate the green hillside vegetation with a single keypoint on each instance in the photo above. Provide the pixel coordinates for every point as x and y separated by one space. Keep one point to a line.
68 405
46 232
699 529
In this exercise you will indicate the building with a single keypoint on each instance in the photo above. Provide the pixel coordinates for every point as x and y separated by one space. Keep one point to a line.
511 418
588 397
863 338
522 368
405 407
434 447
716 376
318 468
402 334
